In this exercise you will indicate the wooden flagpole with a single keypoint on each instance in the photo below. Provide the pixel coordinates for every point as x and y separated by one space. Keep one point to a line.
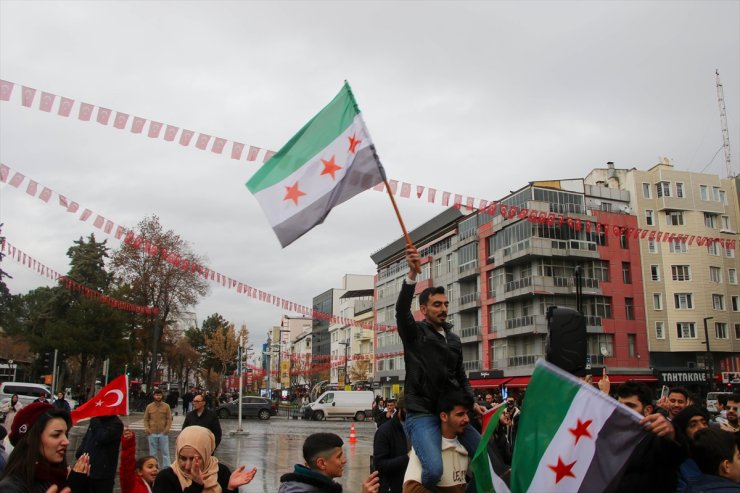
400 220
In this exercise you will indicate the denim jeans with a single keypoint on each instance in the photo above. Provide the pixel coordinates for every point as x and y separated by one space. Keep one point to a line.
425 435
160 441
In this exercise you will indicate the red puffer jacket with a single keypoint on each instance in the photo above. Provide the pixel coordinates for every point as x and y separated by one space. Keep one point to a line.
130 481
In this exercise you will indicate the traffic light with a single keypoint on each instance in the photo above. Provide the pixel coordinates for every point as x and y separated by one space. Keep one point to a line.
47 362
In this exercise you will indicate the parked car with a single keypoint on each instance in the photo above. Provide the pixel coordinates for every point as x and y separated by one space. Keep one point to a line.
252 407
712 401
27 391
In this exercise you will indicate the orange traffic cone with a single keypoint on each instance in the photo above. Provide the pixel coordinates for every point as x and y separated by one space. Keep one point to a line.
352 435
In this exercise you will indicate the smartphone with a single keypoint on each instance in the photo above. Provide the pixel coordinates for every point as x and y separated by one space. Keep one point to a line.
664 392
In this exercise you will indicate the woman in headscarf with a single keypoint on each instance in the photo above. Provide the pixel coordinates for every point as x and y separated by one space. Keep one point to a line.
38 462
196 470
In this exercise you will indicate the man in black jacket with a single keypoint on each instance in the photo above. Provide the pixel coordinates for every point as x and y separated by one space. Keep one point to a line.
102 442
391 451
200 416
434 367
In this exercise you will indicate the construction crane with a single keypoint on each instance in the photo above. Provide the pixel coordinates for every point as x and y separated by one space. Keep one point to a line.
723 121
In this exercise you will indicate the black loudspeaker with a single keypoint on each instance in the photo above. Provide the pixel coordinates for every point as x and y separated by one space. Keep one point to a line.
565 346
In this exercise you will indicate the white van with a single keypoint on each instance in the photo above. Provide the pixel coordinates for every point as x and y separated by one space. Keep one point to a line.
27 391
355 404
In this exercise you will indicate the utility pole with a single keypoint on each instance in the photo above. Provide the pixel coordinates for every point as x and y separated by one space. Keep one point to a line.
155 342
708 357
723 122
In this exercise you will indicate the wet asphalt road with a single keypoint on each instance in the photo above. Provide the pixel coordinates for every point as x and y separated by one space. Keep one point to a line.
272 446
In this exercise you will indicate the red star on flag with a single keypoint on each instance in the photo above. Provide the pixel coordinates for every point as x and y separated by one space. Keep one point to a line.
353 142
330 167
562 470
581 430
293 193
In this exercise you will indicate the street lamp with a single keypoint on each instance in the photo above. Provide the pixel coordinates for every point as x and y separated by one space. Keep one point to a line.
708 358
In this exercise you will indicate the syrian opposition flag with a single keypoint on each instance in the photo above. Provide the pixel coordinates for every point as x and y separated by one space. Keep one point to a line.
571 437
486 480
111 400
330 160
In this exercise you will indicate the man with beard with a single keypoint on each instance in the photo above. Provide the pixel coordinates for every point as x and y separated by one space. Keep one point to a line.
733 404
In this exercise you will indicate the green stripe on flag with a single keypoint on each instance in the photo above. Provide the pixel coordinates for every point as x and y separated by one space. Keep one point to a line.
315 135
481 464
545 406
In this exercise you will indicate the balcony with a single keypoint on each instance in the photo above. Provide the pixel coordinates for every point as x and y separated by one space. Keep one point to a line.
468 269
524 282
528 360
470 300
515 323
472 365
470 334
527 324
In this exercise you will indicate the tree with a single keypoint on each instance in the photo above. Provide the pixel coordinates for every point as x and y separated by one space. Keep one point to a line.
359 370
154 281
83 328
223 345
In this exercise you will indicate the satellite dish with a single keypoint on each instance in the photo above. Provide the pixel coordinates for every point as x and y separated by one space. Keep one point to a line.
604 351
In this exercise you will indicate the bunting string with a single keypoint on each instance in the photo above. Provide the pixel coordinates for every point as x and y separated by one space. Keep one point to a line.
30 262
16 179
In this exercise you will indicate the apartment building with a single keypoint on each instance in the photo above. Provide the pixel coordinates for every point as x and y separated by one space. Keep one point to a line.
528 267
692 297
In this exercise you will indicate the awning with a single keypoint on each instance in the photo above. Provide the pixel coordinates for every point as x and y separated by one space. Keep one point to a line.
518 382
488 383
617 379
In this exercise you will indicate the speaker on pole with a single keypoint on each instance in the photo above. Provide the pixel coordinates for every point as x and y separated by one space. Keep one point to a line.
565 346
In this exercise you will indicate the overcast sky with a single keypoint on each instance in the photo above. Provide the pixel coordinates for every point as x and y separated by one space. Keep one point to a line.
476 98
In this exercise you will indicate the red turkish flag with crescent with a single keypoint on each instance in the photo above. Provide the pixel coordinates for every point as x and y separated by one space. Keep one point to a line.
111 400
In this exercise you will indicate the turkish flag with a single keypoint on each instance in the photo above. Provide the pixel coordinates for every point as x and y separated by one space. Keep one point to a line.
112 400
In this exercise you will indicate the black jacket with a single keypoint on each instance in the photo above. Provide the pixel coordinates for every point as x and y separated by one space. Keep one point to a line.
102 441
434 364
207 420
653 466
167 482
390 455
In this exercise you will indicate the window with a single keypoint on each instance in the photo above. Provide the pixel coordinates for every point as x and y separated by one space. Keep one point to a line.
720 330
632 345
709 220
674 218
438 267
713 249
732 276
659 333
737 331
677 246
652 248
735 303
681 272
684 301
726 223
623 241
649 217
663 189
686 330
449 262
723 197
729 253
657 301
646 191
606 206
715 274
679 190
718 302
715 194
629 308
703 192
626 276
655 273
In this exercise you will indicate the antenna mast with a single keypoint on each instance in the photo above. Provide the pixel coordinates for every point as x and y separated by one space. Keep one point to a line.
723 121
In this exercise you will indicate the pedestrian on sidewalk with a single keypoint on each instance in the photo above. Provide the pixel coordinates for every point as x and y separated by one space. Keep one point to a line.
196 469
157 424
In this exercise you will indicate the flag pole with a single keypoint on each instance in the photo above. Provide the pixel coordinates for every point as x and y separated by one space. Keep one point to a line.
398 215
